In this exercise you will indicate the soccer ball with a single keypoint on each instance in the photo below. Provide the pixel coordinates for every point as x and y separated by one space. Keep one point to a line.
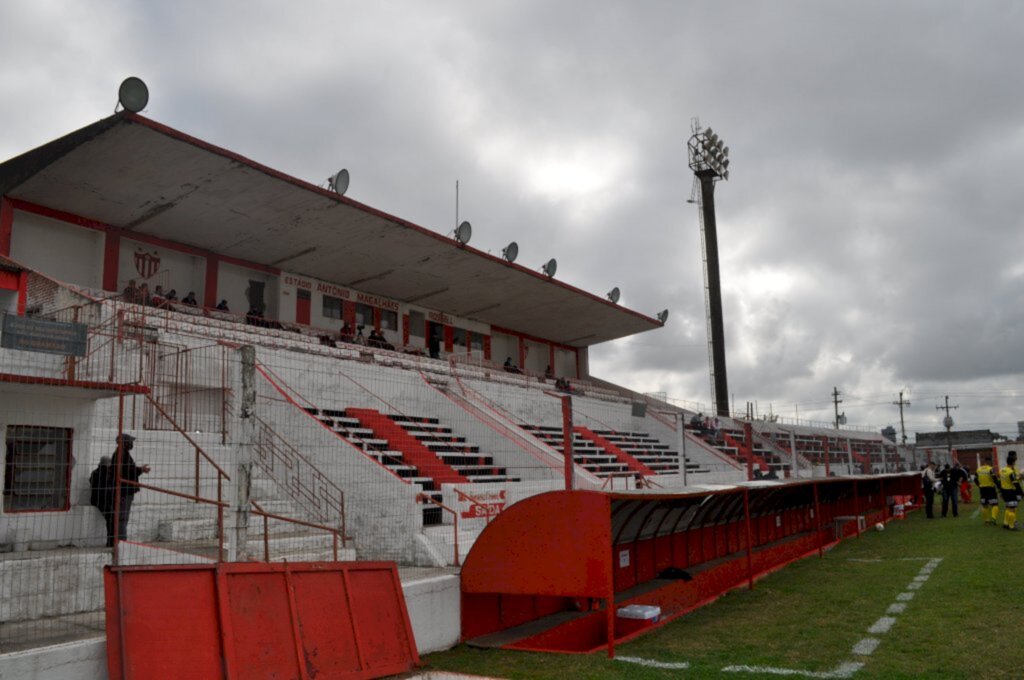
879 527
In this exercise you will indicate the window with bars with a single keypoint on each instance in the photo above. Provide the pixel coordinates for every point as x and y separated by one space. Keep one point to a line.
388 320
332 307
37 469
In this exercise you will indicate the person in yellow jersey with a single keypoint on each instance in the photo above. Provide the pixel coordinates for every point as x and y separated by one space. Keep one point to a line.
1009 488
985 478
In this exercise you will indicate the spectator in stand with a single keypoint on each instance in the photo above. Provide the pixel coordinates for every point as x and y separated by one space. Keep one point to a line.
158 296
510 367
131 292
172 295
378 340
434 345
548 373
697 423
190 299
223 306
254 317
345 334
360 339
928 483
143 297
713 429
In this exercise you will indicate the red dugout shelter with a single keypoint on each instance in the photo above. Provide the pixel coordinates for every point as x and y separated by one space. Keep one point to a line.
541 576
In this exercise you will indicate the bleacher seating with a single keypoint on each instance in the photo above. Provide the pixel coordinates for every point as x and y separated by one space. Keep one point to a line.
453 460
629 447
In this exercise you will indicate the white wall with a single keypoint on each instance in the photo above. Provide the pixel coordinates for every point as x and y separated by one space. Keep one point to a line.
179 271
233 282
20 406
61 250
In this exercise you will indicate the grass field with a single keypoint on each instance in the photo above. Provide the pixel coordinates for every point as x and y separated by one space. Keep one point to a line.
961 622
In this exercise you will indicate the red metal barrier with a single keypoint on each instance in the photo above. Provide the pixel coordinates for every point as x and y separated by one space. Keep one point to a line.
239 620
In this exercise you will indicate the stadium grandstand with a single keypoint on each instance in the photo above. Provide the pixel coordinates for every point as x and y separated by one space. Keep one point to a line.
309 379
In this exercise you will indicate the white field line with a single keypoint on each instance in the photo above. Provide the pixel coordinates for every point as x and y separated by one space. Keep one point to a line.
843 670
865 646
651 663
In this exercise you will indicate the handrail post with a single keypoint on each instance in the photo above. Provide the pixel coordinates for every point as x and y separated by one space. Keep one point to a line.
220 520
344 529
266 538
455 517
197 471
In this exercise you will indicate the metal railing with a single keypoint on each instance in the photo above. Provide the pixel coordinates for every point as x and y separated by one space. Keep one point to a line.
307 486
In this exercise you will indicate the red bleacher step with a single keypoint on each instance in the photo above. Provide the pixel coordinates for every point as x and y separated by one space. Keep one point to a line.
758 460
620 455
415 453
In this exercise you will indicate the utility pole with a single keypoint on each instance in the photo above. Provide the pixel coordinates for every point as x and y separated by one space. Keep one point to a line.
903 428
836 401
948 422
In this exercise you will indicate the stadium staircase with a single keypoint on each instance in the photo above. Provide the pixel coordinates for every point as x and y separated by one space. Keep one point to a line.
606 453
766 455
420 450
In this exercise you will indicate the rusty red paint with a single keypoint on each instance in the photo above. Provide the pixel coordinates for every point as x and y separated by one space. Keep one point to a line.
239 620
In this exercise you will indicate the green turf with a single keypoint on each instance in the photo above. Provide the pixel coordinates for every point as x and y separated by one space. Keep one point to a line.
961 623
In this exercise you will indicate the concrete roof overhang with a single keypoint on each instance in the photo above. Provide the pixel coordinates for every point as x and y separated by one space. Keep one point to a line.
142 177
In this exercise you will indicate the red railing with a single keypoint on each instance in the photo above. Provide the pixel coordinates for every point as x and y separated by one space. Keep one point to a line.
336 534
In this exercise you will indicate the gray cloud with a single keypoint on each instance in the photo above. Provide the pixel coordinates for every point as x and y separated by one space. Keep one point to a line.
870 232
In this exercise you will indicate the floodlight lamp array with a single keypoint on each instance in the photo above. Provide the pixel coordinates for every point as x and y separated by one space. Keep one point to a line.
708 152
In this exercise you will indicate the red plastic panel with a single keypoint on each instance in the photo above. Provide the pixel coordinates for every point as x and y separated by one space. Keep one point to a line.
241 620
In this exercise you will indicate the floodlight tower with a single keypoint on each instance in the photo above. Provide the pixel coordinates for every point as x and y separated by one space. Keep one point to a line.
709 160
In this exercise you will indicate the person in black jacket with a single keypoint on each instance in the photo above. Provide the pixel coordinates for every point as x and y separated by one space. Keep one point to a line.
104 484
951 477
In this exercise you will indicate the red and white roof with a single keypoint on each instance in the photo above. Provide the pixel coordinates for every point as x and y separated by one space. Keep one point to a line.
142 177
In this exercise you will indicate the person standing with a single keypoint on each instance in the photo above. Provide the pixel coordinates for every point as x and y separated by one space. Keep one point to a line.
951 478
1009 488
928 481
984 477
130 473
101 494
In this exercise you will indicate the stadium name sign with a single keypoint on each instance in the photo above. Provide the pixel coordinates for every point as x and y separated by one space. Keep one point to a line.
43 335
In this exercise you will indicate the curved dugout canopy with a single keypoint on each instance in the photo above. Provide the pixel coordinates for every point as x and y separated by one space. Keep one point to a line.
541 556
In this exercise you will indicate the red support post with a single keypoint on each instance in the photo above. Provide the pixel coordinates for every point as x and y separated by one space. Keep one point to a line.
746 518
6 226
856 507
567 440
748 445
817 518
111 261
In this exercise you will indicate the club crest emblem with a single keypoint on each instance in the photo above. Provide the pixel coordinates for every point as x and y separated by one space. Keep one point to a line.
146 264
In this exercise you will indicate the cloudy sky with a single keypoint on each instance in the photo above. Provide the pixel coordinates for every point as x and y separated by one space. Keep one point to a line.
871 232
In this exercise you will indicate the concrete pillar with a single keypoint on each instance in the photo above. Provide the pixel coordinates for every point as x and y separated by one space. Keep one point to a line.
244 447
